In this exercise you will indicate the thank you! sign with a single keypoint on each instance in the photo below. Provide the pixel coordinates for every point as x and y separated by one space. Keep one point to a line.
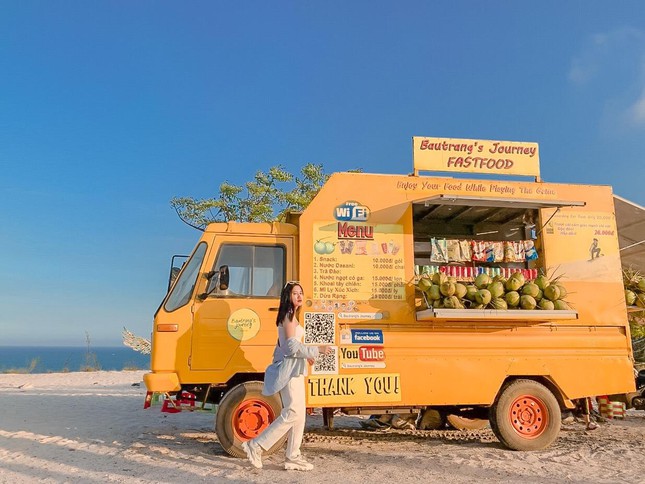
476 156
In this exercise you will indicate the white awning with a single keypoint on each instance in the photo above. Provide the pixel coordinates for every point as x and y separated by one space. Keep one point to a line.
474 201
630 221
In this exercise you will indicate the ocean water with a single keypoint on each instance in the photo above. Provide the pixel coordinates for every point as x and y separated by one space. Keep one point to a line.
55 359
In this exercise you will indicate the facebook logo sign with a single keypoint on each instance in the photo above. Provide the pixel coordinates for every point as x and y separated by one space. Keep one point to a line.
351 211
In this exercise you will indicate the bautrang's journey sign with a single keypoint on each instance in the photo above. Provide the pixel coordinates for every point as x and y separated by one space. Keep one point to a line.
476 156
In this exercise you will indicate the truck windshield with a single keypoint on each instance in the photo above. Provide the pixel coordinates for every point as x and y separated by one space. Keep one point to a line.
185 286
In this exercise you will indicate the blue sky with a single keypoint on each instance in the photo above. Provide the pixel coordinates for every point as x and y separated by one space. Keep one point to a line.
108 109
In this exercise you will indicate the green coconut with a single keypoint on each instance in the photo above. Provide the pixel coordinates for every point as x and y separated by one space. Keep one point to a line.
542 282
498 303
424 284
434 293
451 302
552 292
512 299
460 290
640 299
483 296
515 282
560 305
447 288
452 279
477 306
519 276
630 297
499 278
439 278
563 291
527 302
482 280
641 284
530 289
496 289
539 295
546 305
471 290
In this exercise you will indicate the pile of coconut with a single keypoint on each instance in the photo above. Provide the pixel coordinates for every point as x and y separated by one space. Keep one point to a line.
634 288
441 291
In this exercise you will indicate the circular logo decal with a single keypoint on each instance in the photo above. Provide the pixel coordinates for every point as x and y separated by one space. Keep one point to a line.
243 324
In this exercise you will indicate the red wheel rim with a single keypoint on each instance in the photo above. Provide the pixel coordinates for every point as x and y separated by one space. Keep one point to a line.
251 418
529 416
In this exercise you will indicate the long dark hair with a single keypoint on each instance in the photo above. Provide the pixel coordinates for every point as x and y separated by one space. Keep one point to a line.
286 309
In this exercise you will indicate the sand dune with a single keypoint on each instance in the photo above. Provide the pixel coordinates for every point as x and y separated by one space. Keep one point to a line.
91 427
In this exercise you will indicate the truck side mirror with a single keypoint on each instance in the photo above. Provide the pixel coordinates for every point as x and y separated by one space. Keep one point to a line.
223 278
219 283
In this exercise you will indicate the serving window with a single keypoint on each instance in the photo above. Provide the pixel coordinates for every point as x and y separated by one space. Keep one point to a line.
463 237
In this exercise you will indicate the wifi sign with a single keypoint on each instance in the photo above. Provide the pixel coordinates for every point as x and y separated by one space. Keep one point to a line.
351 211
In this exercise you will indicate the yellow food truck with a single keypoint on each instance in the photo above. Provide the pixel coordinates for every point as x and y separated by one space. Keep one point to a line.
360 251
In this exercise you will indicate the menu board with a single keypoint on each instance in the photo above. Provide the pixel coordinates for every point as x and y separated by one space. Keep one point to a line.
358 261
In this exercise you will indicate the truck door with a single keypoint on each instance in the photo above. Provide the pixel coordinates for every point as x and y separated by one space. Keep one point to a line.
241 315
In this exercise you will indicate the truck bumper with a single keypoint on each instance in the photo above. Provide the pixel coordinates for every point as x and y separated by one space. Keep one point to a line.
162 382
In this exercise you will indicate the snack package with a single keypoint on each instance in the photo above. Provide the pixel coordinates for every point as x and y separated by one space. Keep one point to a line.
498 251
514 251
509 251
465 251
529 250
489 250
438 250
479 251
454 252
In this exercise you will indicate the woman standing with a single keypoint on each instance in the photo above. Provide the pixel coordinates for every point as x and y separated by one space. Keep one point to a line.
287 375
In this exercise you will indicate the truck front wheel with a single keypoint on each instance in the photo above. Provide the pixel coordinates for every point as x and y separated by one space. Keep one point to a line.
243 414
525 416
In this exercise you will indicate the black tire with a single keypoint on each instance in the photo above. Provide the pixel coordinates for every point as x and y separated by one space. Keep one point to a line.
242 414
525 416
464 423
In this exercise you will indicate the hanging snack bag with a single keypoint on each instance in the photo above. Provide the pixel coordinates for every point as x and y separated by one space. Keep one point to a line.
529 250
489 250
519 251
514 251
465 251
454 253
438 250
479 250
509 251
498 251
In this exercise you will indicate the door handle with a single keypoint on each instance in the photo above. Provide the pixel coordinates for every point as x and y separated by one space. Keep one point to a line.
273 309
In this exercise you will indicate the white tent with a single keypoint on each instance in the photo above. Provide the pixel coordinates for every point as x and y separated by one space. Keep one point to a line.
630 221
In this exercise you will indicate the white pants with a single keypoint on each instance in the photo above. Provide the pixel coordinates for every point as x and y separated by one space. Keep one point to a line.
291 419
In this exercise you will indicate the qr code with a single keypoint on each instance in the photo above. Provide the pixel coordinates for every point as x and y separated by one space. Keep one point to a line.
326 364
320 328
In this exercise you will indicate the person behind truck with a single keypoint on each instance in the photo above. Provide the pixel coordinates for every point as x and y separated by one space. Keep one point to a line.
583 409
286 375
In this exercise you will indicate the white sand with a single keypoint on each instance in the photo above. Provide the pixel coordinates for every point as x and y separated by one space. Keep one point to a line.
91 427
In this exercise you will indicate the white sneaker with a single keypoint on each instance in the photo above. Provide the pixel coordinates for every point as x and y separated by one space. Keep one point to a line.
253 453
298 464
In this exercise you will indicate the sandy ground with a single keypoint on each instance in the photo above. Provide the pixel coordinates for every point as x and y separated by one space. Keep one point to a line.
91 427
